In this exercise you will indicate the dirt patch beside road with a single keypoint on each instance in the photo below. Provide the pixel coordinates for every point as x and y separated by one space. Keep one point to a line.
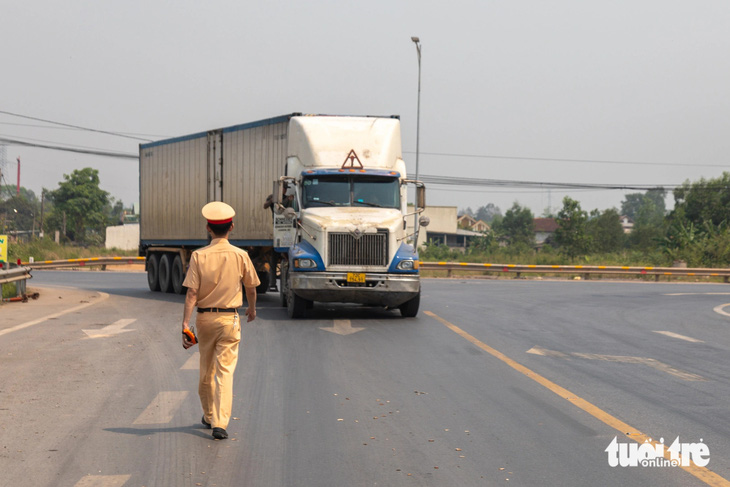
50 301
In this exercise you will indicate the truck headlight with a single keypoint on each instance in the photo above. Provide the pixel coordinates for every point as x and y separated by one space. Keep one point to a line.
304 264
407 265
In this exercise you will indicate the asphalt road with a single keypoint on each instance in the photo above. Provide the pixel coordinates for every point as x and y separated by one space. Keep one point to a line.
496 382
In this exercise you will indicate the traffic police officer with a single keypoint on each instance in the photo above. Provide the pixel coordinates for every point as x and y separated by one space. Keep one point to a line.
215 279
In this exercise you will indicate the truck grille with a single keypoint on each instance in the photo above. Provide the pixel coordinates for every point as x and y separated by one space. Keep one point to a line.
369 249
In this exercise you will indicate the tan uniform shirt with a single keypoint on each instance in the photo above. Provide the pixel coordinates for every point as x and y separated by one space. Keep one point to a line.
217 272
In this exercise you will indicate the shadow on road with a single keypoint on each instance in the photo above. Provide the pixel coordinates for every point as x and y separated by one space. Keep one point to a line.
194 430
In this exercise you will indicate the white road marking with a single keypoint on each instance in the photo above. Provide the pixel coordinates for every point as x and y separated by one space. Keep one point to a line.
720 309
163 408
650 362
342 327
677 335
547 353
193 363
27 324
103 481
114 329
698 294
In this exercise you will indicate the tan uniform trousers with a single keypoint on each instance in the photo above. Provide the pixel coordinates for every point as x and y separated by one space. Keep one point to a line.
218 337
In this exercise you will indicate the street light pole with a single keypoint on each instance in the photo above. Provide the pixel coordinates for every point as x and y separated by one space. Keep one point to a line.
417 42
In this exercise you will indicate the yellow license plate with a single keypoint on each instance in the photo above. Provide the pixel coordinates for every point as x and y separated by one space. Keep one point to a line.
356 277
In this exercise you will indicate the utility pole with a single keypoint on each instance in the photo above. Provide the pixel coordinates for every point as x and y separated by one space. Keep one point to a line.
43 200
3 156
417 42
18 191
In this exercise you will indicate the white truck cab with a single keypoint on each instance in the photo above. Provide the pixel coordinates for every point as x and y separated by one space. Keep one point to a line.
343 235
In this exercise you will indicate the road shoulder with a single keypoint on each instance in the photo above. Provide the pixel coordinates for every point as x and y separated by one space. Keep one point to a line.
51 301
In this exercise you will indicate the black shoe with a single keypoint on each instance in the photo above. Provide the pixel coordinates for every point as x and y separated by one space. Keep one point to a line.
205 423
220 434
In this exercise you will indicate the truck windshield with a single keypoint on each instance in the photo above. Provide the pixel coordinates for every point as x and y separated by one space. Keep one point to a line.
336 190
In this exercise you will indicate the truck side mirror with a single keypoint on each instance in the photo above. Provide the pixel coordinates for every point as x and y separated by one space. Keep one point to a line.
424 221
277 193
420 196
289 213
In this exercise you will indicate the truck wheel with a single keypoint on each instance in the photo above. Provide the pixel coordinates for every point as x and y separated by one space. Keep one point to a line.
296 307
264 286
409 309
153 271
283 284
165 274
178 276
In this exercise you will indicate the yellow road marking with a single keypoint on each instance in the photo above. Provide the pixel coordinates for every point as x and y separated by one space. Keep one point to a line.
702 473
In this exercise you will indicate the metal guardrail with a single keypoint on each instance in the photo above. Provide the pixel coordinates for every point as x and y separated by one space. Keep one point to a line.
87 262
449 267
12 275
584 270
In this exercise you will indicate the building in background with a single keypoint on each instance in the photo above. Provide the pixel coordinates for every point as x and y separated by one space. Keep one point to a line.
126 235
544 230
467 222
626 223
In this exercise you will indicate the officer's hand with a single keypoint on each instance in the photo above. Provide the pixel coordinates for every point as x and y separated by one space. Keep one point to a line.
251 314
186 343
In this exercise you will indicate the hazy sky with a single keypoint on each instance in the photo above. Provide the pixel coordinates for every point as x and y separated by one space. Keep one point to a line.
623 81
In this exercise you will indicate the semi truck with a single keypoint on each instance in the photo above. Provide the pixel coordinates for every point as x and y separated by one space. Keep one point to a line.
335 229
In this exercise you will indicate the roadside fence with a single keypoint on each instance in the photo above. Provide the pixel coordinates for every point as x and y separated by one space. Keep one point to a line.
579 270
15 274
86 262
585 271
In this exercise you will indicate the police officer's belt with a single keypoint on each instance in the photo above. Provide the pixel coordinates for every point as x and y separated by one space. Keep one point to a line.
217 310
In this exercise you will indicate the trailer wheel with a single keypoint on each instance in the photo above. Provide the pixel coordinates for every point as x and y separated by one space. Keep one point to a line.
165 274
409 309
178 276
153 271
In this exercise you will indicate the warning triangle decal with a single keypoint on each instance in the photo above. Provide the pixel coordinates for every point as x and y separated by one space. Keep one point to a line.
350 161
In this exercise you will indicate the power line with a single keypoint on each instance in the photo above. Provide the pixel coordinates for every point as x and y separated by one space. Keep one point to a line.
50 143
512 191
456 181
70 149
554 159
31 125
430 179
115 134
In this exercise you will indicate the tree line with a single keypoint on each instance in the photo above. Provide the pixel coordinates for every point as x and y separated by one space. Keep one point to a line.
696 231
79 209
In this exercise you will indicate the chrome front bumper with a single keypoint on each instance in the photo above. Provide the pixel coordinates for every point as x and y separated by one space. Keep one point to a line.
379 289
